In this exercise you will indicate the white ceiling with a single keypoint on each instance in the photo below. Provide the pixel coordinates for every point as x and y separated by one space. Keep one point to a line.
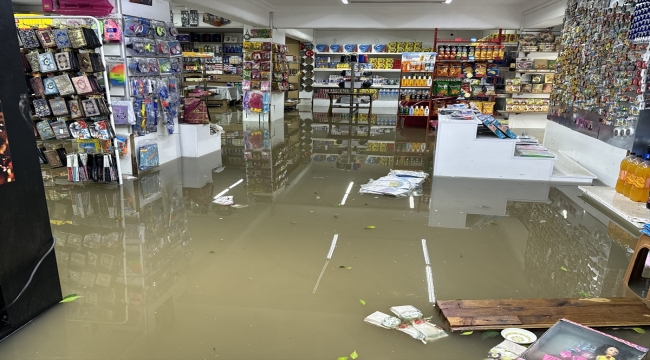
333 14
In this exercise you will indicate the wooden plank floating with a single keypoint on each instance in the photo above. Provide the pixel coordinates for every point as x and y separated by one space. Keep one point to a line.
463 315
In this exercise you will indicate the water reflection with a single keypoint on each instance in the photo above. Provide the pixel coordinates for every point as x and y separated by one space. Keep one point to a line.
166 273
568 248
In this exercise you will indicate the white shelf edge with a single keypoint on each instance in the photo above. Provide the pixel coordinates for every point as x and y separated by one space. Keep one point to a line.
357 53
359 70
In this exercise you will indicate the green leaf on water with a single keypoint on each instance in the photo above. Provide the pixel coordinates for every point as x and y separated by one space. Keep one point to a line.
294 222
564 269
211 252
354 355
337 205
584 294
343 358
369 227
489 334
363 302
69 298
639 330
341 267
467 333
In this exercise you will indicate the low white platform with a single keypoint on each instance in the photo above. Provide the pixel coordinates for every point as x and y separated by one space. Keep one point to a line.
566 170
197 141
636 213
460 152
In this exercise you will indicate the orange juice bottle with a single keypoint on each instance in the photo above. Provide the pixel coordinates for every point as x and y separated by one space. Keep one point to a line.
622 175
641 184
631 175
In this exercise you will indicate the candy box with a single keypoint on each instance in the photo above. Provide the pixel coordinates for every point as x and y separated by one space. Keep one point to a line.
540 64
524 64
570 340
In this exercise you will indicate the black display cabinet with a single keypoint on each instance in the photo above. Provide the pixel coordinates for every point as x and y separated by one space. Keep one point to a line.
25 234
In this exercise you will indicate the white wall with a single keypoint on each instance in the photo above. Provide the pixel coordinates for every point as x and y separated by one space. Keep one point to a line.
546 15
202 25
386 36
596 156
158 11
456 15
306 35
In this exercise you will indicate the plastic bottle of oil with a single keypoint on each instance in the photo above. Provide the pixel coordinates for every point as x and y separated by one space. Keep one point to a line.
622 175
631 174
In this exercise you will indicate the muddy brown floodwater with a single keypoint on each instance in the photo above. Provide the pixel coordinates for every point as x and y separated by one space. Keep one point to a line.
165 274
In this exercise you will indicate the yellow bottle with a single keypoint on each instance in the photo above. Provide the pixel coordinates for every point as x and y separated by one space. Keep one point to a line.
631 175
404 84
622 175
641 184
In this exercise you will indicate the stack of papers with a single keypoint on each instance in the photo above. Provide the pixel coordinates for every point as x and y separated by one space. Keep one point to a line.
398 183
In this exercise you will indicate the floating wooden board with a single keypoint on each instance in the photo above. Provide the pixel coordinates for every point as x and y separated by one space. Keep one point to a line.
462 315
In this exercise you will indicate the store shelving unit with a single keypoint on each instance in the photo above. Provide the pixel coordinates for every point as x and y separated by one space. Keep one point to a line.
59 174
530 118
216 47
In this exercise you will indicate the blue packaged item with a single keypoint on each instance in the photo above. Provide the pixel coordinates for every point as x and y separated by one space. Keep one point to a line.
148 156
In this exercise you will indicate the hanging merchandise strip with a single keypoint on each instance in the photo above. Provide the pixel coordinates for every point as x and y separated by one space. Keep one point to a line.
256 75
598 89
153 63
64 73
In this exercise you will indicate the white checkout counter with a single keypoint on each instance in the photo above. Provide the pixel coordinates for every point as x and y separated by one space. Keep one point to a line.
462 152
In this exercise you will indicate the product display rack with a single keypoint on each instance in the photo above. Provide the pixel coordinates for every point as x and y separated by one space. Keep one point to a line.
216 44
529 91
75 140
491 52
416 80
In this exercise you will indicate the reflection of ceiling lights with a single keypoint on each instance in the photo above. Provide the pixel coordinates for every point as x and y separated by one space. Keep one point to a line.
347 192
448 1
345 2
228 189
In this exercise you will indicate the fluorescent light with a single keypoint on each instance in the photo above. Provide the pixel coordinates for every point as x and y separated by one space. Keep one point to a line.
411 203
448 1
345 1
331 252
347 192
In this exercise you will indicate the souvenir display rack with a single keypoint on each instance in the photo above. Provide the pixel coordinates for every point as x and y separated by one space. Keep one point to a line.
145 68
225 46
64 64
151 59
580 99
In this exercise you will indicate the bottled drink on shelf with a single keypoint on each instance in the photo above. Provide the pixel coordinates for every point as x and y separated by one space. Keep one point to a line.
622 175
631 171
641 183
